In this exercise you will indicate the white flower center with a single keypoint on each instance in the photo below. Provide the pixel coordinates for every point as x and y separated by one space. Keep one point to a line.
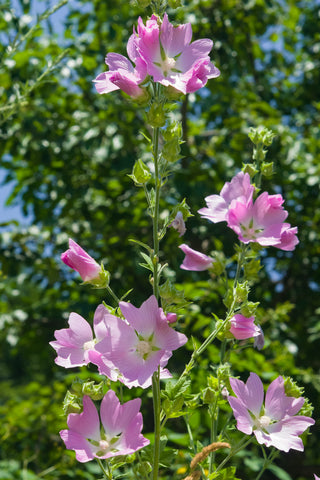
143 348
263 422
89 345
168 64
103 445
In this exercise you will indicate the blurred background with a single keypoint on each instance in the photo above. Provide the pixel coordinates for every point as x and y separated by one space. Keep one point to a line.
65 153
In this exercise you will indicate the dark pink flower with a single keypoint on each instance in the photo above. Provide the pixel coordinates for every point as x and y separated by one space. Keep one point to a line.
78 259
118 433
260 221
194 260
275 423
243 327
170 57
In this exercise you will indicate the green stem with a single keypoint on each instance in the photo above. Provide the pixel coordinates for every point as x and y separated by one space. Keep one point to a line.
108 474
157 181
156 411
242 444
113 295
267 462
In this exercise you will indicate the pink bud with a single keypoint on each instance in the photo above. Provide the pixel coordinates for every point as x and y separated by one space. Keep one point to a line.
78 259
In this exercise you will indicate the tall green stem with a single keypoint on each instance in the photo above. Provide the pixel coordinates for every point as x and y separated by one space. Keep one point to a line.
156 412
156 375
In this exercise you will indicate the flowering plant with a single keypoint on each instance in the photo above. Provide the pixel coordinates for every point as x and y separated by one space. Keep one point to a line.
132 345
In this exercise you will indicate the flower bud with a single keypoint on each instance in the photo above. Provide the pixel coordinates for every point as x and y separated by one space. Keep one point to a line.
174 3
93 390
140 173
261 135
267 169
156 116
71 403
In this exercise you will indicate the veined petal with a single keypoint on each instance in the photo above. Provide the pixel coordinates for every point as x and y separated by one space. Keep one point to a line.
250 394
74 441
86 423
174 39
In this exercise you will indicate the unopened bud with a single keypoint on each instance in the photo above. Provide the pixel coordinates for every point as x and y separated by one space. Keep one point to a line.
156 116
140 173
174 3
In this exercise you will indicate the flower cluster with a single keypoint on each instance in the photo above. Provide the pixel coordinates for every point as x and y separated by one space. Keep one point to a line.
261 220
164 52
274 424
129 349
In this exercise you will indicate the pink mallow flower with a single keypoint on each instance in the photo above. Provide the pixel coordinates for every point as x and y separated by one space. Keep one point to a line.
243 327
78 259
170 57
120 433
218 205
194 260
122 75
275 423
74 344
140 344
260 221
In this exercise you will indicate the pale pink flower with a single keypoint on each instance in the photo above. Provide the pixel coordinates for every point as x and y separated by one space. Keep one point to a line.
122 75
243 327
194 260
120 433
75 344
178 224
170 57
259 339
140 344
78 259
218 205
315 477
275 423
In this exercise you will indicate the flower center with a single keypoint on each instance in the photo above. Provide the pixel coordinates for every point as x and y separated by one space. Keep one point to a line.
89 345
167 65
263 422
143 348
104 445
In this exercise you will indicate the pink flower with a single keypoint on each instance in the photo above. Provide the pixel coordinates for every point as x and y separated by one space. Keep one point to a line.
195 261
141 343
120 433
218 205
78 259
122 75
243 327
74 344
178 224
315 477
260 221
170 57
274 424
